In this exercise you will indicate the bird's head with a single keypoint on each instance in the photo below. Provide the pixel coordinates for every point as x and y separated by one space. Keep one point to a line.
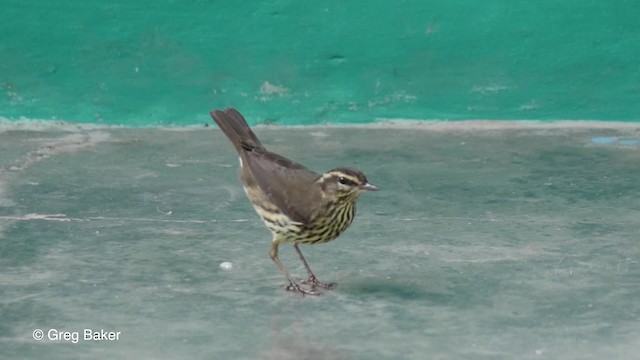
345 183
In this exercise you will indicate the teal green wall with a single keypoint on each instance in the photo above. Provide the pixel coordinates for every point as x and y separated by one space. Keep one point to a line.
169 62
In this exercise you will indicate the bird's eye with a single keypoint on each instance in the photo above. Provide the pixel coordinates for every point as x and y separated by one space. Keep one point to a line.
342 180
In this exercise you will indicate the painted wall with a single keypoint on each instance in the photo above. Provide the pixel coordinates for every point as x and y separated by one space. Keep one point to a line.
290 62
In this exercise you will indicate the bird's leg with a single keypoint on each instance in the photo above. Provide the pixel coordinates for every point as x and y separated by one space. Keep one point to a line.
293 285
312 277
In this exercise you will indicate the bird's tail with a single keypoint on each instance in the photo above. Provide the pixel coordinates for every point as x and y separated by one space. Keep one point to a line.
233 124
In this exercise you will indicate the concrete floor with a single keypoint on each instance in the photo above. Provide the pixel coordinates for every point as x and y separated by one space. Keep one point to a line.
487 241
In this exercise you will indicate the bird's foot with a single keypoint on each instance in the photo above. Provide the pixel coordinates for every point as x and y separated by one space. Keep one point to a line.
298 289
316 283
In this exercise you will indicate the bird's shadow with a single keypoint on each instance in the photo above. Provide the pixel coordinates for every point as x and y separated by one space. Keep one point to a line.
397 289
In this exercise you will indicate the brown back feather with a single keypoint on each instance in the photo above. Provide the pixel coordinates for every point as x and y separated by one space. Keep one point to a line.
289 185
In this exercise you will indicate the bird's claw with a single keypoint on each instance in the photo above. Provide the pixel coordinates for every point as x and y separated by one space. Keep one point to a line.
296 288
316 283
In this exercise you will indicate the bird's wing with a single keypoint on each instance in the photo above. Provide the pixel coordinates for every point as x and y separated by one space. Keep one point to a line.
288 184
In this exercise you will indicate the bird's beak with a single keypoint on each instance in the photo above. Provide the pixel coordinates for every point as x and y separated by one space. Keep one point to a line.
369 187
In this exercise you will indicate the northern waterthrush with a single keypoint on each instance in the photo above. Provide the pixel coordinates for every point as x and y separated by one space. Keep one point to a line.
298 205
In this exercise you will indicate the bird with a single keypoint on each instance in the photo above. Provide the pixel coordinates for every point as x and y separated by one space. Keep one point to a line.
298 205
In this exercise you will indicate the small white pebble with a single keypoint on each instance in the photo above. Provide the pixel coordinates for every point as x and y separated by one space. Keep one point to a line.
226 265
